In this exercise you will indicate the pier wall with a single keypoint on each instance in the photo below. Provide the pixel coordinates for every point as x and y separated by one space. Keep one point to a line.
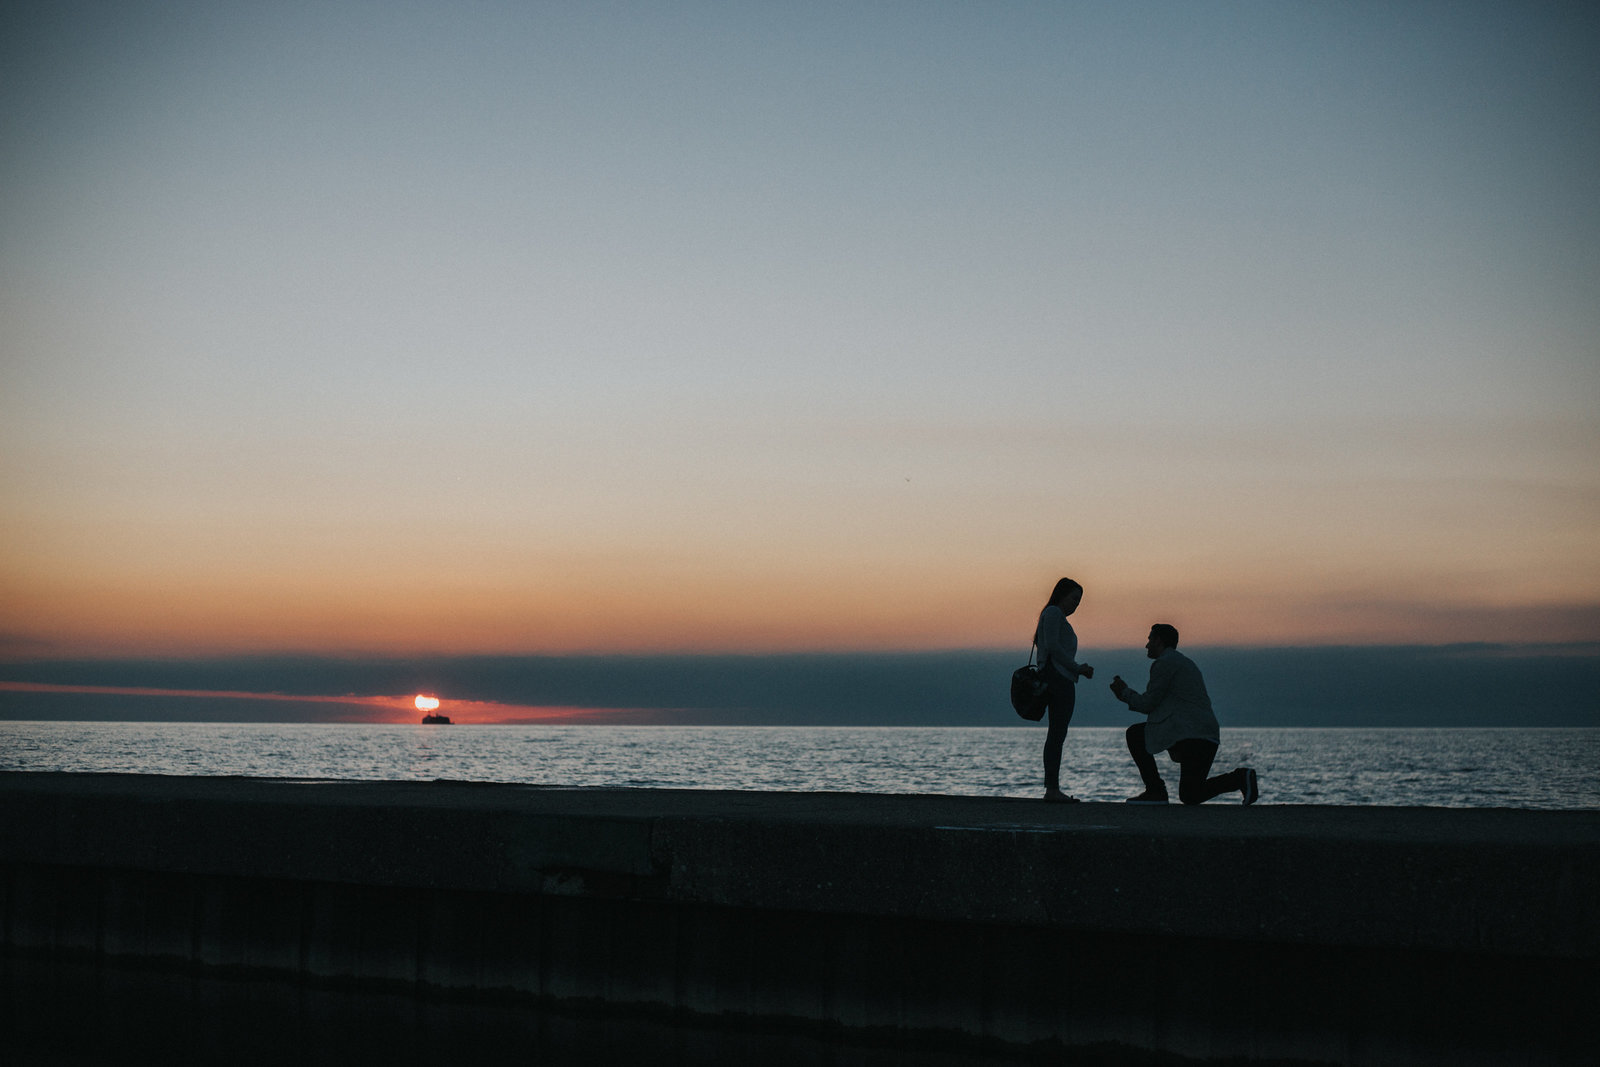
1318 934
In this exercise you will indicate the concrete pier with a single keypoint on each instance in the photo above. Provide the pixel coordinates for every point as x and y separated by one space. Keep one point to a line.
1333 935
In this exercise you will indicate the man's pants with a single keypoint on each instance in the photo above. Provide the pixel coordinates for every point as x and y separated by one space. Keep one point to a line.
1193 757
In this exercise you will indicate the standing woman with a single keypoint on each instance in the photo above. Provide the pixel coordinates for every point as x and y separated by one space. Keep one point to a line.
1058 660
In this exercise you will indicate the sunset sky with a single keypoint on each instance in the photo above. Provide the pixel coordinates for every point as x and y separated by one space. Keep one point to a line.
382 328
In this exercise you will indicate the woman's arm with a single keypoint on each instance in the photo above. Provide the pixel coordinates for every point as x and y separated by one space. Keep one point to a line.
1053 647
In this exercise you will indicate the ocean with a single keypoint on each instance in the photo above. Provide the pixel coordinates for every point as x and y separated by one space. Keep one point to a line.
1455 768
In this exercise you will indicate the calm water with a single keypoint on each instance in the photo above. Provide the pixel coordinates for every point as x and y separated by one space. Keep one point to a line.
1401 767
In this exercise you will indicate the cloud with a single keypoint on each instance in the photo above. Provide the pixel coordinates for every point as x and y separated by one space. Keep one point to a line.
1444 685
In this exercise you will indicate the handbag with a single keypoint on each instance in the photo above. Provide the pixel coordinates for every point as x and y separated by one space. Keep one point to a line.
1029 691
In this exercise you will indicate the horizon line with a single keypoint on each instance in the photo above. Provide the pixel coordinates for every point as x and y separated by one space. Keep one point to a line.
799 653
477 709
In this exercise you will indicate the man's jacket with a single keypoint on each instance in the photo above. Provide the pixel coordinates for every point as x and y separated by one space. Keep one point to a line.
1176 702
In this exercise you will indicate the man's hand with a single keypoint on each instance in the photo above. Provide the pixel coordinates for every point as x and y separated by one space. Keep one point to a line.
1118 686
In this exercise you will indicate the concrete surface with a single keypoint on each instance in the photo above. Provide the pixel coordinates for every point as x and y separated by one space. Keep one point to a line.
1351 935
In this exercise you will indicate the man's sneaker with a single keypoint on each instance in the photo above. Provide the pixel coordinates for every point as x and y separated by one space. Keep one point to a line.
1149 797
1251 788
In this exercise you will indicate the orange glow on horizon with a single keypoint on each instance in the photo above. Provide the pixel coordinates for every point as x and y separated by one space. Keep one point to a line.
383 709
695 607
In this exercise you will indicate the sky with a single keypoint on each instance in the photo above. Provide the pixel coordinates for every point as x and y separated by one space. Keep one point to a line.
424 329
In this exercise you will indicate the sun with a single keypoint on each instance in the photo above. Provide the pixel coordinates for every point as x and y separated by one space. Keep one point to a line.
426 703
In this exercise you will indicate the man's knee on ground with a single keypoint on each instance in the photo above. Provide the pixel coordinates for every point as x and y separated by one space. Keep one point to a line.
1191 794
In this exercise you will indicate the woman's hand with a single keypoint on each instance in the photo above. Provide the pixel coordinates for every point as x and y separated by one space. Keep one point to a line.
1086 671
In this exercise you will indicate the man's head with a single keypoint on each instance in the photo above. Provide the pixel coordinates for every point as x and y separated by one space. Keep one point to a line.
1162 637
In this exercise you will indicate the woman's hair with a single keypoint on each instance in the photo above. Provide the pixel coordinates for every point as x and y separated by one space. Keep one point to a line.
1064 588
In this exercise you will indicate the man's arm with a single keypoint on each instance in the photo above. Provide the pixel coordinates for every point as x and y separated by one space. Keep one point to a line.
1162 673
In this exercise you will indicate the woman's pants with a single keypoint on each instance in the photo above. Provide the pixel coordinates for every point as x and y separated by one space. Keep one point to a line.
1063 698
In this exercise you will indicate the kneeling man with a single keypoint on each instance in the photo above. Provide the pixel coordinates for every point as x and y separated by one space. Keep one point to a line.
1179 722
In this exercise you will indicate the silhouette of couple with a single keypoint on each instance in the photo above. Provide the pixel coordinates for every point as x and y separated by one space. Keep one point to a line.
1177 710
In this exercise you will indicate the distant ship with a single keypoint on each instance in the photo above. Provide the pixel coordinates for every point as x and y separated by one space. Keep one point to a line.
436 720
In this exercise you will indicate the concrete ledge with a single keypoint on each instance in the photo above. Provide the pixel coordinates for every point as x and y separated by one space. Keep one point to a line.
1343 935
1477 880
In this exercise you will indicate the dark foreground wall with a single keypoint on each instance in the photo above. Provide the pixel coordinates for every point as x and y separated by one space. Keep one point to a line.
1340 935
